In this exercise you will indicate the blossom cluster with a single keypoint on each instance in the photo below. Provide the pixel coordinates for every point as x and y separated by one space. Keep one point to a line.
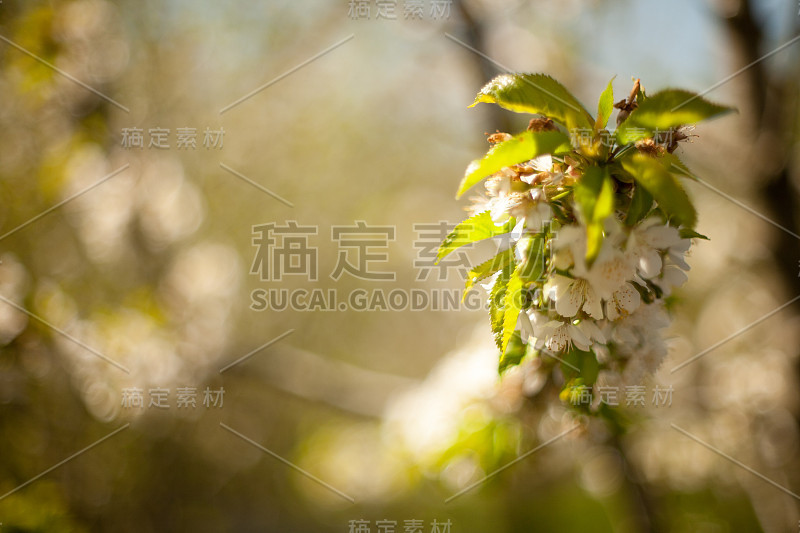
613 307
596 228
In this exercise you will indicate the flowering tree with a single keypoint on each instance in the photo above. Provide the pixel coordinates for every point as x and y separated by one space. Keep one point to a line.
597 226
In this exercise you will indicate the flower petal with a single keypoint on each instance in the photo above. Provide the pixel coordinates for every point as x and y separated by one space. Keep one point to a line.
579 338
612 311
558 340
570 300
592 305
649 262
628 298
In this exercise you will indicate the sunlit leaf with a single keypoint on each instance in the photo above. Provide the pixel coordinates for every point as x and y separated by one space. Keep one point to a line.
497 303
518 149
487 268
605 106
514 300
513 354
663 186
674 164
475 228
534 265
667 109
538 94
594 194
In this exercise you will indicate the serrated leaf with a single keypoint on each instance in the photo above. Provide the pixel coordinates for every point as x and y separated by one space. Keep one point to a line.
513 301
537 94
475 228
594 194
497 304
514 353
664 110
534 264
518 149
674 164
605 106
487 268
641 202
663 186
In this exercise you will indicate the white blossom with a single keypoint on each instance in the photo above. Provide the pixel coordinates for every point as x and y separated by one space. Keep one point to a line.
611 304
573 294
558 335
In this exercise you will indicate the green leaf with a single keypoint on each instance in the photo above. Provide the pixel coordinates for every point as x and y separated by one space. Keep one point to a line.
664 187
594 241
518 149
514 300
487 268
641 202
497 305
674 164
514 353
590 368
664 110
687 233
533 267
475 228
594 194
585 362
537 94
605 106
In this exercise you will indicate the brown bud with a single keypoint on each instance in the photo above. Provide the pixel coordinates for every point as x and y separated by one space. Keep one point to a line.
498 137
627 106
650 147
541 124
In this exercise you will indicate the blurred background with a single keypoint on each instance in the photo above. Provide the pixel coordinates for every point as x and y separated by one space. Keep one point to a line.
133 269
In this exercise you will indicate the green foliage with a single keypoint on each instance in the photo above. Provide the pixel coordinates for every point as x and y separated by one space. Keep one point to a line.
518 149
533 267
497 304
536 94
514 301
589 184
605 106
641 203
674 164
687 233
487 268
585 362
514 353
665 110
663 186
492 441
594 195
476 228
